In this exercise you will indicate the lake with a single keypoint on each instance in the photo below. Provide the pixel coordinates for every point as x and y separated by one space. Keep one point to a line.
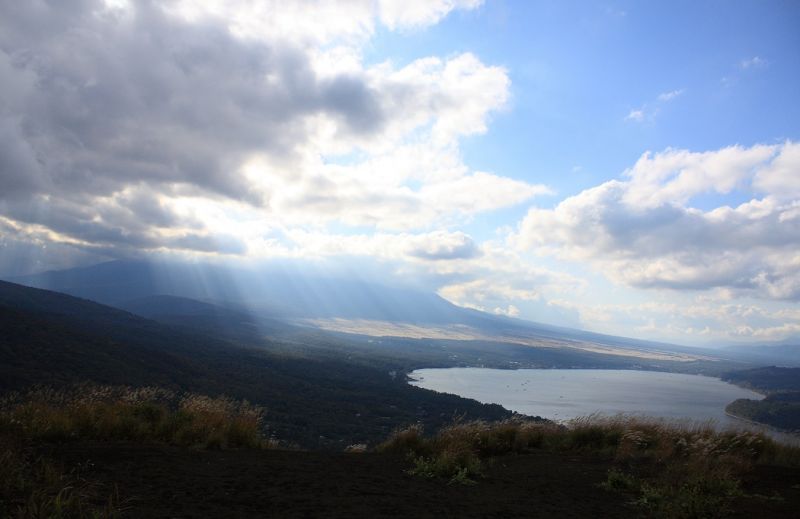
561 394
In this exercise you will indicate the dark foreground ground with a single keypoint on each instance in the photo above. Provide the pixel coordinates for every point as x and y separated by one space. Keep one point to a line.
171 482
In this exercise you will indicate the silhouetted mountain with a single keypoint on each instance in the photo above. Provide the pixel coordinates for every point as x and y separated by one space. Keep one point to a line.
271 291
160 305
219 320
117 282
784 353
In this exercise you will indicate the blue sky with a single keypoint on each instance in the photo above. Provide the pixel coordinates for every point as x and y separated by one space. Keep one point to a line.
578 69
626 167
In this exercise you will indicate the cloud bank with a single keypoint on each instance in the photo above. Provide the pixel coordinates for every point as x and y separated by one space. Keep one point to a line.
643 231
129 125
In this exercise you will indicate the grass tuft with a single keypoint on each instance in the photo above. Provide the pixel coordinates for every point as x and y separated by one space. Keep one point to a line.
34 487
669 469
133 414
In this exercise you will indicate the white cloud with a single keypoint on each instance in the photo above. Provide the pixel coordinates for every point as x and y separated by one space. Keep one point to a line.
649 111
702 320
754 62
253 111
781 178
674 176
509 311
441 245
643 231
316 21
635 115
501 278
669 96
402 13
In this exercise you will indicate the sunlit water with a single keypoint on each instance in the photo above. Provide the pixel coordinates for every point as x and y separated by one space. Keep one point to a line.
561 394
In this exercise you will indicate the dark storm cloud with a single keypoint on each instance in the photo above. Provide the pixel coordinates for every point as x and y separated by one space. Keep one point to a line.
95 100
20 173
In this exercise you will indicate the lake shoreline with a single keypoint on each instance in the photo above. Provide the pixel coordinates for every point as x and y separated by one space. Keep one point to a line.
609 392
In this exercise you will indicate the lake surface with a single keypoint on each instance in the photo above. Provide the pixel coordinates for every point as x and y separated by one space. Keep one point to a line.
562 394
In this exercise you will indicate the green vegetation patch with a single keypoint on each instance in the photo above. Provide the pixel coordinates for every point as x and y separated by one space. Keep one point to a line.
781 410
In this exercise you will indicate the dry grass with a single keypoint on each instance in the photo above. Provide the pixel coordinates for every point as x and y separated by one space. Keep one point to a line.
671 469
456 451
133 414
35 487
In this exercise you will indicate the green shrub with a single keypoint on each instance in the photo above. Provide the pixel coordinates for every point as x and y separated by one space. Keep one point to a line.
620 482
457 467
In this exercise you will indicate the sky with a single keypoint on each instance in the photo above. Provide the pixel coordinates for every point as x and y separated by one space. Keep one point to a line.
630 168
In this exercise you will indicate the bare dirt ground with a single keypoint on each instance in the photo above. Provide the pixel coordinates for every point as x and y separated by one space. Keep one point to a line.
168 482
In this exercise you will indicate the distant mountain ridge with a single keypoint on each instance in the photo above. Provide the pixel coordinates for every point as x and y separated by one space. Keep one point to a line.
271 292
160 306
285 294
784 353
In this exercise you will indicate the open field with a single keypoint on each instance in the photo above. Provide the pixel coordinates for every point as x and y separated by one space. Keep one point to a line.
460 332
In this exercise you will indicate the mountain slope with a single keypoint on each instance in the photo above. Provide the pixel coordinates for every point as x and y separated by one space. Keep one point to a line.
54 339
205 318
292 294
271 291
784 353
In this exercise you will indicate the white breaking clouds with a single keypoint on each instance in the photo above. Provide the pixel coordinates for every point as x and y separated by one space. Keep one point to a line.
441 245
702 319
669 96
635 115
504 281
674 176
781 178
649 111
402 13
644 231
118 119
314 21
754 62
